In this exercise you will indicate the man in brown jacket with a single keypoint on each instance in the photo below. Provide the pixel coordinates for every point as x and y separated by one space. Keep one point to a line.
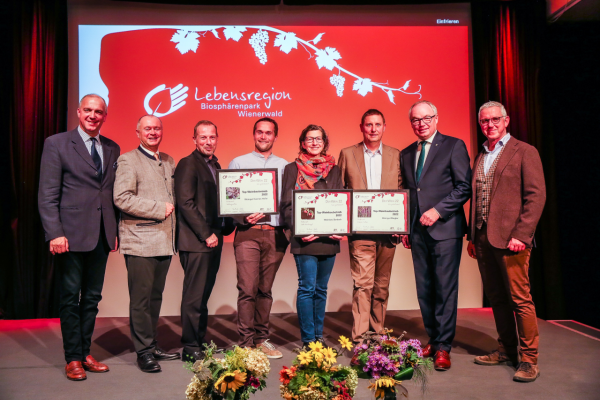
144 193
370 164
507 201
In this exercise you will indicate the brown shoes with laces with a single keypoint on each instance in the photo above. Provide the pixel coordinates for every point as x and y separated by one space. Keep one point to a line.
75 371
270 350
93 365
526 372
496 358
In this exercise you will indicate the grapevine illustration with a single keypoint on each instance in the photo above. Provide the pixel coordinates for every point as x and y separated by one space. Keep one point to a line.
327 58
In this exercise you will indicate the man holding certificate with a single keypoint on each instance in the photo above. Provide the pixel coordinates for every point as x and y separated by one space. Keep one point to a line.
259 247
314 255
370 165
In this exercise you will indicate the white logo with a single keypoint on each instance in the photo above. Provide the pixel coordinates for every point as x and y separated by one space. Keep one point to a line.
178 96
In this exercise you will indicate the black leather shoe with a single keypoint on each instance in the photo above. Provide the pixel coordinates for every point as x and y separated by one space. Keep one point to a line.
160 354
147 363
192 357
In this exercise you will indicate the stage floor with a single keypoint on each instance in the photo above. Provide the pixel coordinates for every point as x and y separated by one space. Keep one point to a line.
32 363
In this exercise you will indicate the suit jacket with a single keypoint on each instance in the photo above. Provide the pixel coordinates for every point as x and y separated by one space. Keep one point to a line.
197 214
72 201
517 198
354 175
445 184
321 246
143 186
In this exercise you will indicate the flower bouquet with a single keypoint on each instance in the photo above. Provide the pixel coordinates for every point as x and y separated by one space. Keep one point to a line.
389 360
241 372
313 375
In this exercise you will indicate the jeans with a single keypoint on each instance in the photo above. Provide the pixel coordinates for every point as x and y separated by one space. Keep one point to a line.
313 277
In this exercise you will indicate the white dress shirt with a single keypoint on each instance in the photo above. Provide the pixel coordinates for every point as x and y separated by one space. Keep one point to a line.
373 166
427 146
87 140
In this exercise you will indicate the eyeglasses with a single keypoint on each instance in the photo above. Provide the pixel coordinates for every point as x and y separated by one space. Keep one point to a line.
426 119
316 140
495 120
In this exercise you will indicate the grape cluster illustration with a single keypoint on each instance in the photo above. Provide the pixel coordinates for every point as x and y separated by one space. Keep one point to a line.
338 82
259 41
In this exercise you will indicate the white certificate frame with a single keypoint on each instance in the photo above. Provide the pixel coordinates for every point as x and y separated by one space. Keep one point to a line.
363 202
228 179
312 200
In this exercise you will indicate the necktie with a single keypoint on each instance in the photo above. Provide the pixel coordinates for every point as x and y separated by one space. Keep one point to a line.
96 159
421 160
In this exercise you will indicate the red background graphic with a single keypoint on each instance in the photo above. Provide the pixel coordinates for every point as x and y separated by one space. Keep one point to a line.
436 57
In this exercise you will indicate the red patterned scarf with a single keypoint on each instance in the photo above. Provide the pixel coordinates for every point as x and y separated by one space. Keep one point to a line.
310 170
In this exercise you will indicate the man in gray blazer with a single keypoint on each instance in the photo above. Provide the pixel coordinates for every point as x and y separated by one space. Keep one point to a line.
145 195
75 200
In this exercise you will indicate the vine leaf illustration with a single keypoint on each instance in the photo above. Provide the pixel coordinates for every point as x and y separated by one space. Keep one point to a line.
216 33
327 58
363 86
317 39
233 32
286 42
405 85
186 41
390 95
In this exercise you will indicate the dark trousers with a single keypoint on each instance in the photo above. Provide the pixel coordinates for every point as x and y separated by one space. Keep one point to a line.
200 272
146 277
258 255
81 280
436 265
505 276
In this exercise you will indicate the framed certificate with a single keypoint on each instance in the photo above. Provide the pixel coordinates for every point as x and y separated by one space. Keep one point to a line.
380 211
247 191
322 212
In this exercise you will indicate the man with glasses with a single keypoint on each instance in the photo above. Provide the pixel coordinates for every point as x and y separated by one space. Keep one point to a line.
259 247
370 164
508 197
436 169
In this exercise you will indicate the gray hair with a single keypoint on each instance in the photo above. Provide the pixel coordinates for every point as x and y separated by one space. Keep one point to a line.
430 104
491 104
144 116
92 95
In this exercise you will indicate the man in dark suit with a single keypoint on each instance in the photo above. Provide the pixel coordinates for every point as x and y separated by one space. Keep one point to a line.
508 197
199 235
436 169
75 201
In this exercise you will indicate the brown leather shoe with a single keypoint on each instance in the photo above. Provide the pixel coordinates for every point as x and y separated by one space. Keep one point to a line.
93 365
428 351
526 372
496 358
441 361
75 371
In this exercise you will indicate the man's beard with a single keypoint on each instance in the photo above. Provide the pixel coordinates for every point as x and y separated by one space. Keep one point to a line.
264 146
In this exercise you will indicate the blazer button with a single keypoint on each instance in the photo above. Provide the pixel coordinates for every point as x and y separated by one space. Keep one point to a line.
418 189
99 208
96 173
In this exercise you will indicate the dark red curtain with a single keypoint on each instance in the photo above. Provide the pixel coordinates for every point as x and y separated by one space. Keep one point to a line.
507 51
37 86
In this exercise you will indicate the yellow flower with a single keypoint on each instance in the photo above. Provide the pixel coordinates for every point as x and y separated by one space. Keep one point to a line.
310 383
316 346
304 357
230 380
329 355
318 358
345 342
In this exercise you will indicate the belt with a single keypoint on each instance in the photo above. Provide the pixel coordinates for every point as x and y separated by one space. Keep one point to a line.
263 227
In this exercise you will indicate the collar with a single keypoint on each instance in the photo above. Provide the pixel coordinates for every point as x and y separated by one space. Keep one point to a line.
85 136
257 154
430 140
148 153
368 151
501 143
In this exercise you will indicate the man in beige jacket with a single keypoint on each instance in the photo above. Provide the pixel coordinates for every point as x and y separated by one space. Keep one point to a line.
372 165
144 193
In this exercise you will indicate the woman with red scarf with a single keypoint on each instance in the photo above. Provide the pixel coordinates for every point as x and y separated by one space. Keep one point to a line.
314 256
